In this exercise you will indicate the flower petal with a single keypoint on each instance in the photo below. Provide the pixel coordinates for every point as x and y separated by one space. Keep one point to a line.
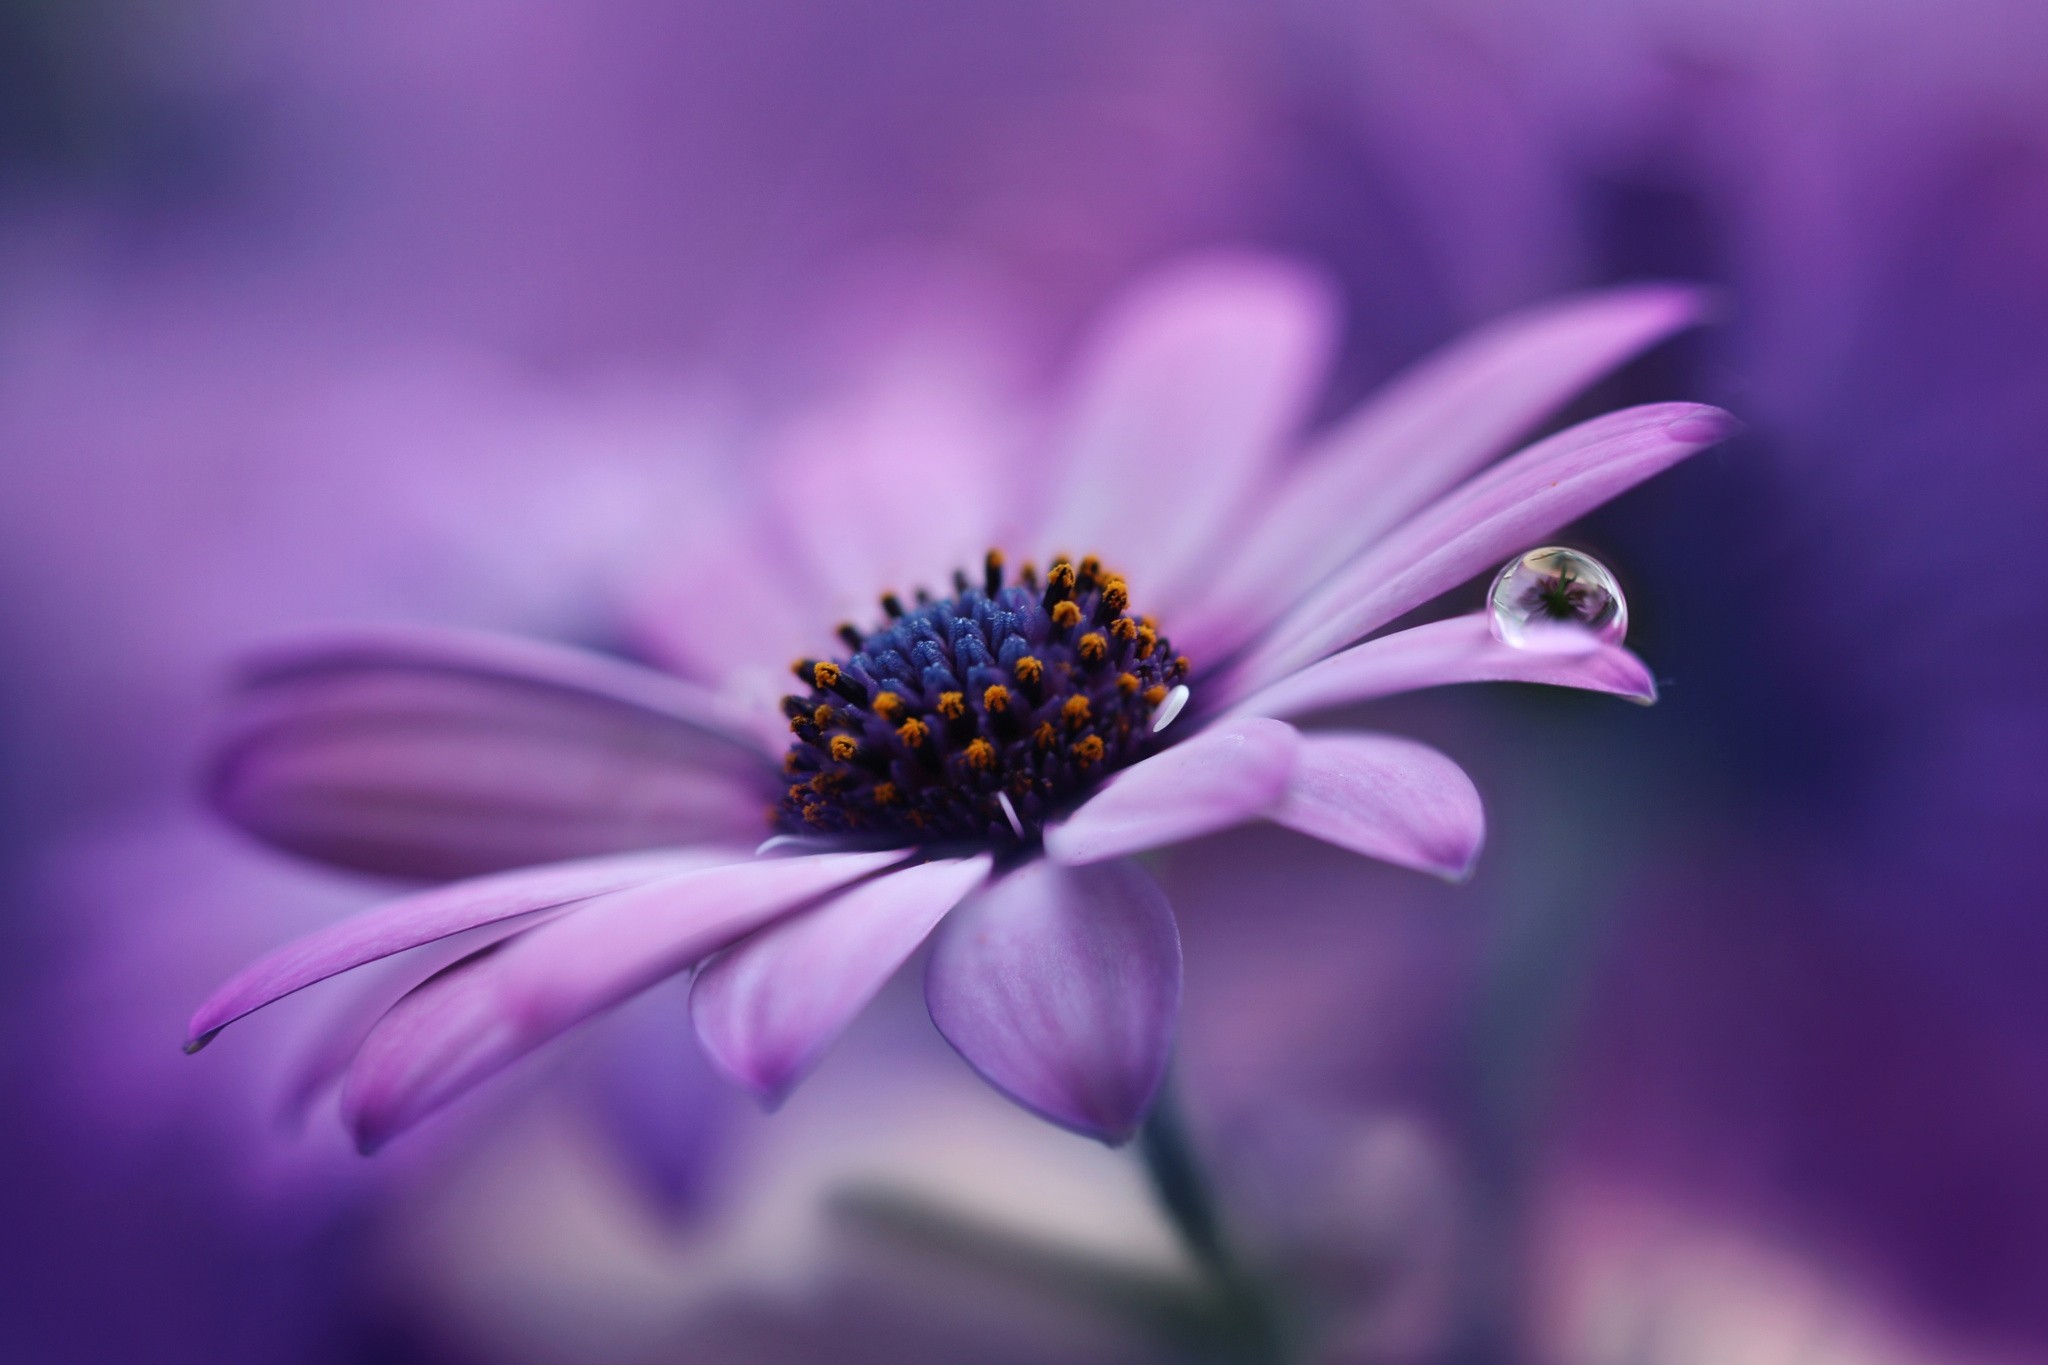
1387 798
769 1006
426 753
1061 986
1225 775
838 479
1461 649
1510 507
1429 428
1187 391
470 1022
411 921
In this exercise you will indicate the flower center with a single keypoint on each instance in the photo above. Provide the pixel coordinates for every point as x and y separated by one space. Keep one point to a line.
979 716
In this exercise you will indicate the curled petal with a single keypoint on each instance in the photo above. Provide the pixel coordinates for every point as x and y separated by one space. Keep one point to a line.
1459 650
1429 428
395 926
1061 986
769 1006
471 1021
1387 798
436 754
1227 774
1206 366
1510 507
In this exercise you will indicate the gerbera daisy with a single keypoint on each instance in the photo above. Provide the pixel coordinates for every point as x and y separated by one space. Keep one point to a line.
1155 593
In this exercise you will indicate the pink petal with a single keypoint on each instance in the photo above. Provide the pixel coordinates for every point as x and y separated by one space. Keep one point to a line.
470 1022
1223 776
769 1006
727 595
441 754
411 921
1429 428
1387 798
1461 649
1187 391
839 479
1512 506
1061 986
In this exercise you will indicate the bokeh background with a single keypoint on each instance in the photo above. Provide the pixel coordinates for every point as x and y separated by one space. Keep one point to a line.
1735 1051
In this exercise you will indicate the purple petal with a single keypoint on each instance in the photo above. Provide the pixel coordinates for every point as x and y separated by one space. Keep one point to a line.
1061 987
1459 650
1510 507
440 754
1429 428
837 480
1387 798
1227 774
1207 366
666 1114
411 921
470 1022
769 1006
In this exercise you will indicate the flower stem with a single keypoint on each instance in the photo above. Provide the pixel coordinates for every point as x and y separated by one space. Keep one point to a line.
1247 1325
1181 1187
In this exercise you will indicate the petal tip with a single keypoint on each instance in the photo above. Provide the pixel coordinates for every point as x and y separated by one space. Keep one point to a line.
198 1040
1703 426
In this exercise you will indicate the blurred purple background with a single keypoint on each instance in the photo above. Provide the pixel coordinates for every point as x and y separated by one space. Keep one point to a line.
1734 1051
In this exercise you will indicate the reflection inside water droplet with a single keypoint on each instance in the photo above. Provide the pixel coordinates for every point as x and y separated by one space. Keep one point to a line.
1555 598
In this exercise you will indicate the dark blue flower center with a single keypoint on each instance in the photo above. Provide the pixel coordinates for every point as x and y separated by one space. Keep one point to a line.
977 717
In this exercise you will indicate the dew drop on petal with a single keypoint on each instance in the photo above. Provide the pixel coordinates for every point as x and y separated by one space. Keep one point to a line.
1556 598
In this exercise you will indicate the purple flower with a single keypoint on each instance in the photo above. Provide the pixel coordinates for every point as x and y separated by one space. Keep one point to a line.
981 766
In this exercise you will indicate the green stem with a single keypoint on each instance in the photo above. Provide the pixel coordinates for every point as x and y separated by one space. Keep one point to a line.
1247 1325
1182 1189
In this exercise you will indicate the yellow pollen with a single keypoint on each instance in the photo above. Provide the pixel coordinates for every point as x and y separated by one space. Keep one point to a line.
952 705
1045 736
824 782
1093 648
885 793
1127 683
825 673
996 699
1124 628
844 747
1155 694
1148 640
1066 615
798 792
1089 751
823 717
1074 710
1060 575
913 732
887 705
815 814
1028 670
1116 594
789 763
980 755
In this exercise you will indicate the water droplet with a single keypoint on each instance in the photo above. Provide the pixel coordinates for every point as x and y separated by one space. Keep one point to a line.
1555 598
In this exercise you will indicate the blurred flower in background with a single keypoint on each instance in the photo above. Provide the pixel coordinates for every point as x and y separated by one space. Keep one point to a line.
441 312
